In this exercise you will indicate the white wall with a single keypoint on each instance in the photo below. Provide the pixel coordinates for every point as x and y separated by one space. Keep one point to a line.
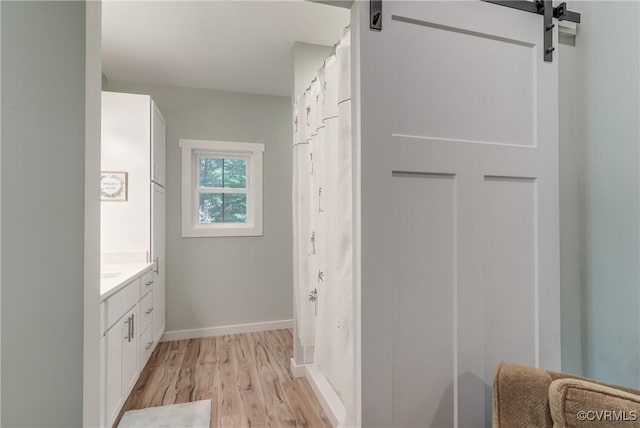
126 147
215 282
43 148
601 170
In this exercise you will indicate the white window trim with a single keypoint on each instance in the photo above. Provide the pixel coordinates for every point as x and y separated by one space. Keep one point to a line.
252 152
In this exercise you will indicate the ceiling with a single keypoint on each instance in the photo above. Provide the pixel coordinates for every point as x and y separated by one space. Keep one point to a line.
239 46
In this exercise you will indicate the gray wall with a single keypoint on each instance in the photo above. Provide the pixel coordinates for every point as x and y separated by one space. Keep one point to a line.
601 170
607 51
571 158
43 116
93 97
307 60
215 282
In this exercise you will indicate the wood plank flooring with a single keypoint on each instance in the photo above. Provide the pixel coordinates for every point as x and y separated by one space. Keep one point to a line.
246 376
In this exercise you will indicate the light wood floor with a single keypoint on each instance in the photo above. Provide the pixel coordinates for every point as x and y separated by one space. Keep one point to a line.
246 376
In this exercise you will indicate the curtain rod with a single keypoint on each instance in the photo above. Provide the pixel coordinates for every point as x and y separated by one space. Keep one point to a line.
324 63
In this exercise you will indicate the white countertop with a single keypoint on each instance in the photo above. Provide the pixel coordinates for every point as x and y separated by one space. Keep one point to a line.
122 274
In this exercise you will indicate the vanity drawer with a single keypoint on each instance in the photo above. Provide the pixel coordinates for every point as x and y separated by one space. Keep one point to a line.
146 282
146 346
121 302
146 310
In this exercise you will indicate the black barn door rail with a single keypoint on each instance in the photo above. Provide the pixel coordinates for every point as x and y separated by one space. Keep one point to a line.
540 7
560 13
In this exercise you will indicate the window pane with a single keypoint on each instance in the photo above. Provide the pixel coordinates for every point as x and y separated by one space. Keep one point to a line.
222 208
235 208
210 208
218 172
235 173
211 172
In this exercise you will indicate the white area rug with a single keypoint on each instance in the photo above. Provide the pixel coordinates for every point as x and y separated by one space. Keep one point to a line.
186 415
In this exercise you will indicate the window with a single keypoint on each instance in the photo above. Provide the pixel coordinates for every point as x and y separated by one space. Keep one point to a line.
221 188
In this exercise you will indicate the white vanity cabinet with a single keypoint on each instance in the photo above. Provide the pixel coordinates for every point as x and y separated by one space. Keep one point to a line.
158 129
127 339
133 128
133 307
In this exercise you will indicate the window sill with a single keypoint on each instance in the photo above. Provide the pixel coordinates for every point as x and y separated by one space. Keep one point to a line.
220 232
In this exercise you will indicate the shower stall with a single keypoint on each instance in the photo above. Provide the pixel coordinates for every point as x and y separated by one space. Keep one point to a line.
323 231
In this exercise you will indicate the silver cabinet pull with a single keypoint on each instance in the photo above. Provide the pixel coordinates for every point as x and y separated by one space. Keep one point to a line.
129 333
128 323
132 330
148 311
157 261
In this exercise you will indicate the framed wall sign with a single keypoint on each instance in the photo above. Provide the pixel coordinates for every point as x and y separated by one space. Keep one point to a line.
113 186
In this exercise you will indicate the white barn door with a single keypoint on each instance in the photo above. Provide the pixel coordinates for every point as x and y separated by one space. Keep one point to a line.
459 208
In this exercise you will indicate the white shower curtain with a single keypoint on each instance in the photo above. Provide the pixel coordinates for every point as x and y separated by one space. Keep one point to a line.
323 226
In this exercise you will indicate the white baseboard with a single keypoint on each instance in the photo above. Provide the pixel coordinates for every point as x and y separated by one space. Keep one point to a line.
158 338
307 354
329 400
297 370
225 329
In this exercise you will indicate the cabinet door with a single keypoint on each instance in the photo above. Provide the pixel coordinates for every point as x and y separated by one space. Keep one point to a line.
158 253
157 145
114 340
121 361
130 350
